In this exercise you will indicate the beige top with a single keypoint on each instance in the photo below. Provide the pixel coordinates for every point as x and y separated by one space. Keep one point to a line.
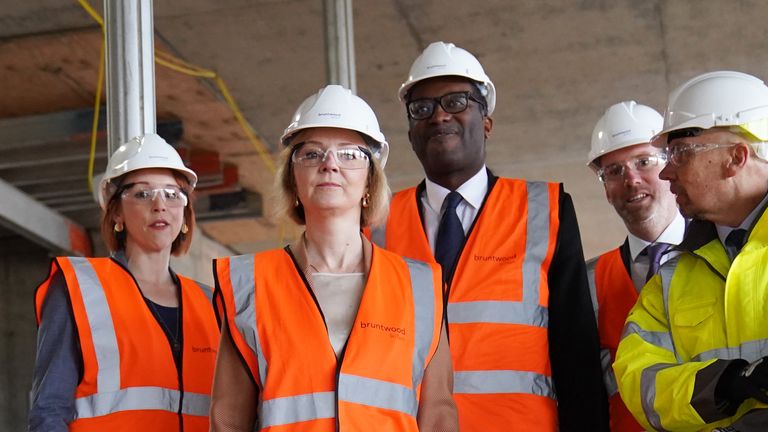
339 298
235 394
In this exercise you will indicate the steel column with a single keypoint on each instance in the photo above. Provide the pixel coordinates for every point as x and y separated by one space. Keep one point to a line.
340 43
130 70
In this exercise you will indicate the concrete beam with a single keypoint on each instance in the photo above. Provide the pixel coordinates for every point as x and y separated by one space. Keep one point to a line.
41 225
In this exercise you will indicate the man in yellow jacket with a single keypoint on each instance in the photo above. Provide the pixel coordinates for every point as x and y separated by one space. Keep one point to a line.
693 353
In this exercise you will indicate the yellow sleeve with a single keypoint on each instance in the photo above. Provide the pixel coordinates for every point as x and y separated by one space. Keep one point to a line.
654 383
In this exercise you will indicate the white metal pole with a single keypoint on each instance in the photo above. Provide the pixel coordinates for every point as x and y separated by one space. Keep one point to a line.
130 70
340 43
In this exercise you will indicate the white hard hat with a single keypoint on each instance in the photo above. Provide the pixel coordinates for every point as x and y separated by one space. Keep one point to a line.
717 99
336 107
624 124
446 59
146 151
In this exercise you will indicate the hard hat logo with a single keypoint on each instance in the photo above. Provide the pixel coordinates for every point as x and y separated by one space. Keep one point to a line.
335 106
333 115
446 59
142 152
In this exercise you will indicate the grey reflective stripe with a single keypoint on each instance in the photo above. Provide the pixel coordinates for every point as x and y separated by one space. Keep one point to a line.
241 278
101 325
141 398
377 393
536 240
506 381
609 378
666 271
749 351
206 290
498 312
661 339
422 286
294 409
196 404
379 235
648 392
591 264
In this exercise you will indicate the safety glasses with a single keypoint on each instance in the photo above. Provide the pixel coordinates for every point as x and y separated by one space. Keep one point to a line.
452 103
615 172
142 193
347 157
681 154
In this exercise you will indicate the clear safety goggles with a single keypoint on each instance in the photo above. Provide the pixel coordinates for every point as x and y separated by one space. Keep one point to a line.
642 163
347 157
142 193
681 153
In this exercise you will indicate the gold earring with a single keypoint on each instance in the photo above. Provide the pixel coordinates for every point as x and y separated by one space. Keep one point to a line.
184 228
296 202
366 200
119 227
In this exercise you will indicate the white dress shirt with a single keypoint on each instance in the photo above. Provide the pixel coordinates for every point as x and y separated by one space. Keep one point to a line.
473 193
673 235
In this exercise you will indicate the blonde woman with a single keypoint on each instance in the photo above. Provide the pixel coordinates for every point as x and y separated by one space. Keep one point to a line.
331 332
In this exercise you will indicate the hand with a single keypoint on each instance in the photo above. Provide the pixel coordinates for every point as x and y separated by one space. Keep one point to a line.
743 380
757 373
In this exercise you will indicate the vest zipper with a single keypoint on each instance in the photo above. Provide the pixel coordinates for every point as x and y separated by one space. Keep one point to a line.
180 365
320 310
449 281
168 337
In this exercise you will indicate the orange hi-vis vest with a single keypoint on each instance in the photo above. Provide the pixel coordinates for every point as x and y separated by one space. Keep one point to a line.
497 303
613 294
279 330
130 381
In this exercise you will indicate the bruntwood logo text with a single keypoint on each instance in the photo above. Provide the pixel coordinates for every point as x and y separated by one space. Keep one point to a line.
385 328
496 259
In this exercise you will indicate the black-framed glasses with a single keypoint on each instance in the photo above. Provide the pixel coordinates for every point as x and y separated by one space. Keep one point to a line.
615 171
143 193
681 154
347 157
452 103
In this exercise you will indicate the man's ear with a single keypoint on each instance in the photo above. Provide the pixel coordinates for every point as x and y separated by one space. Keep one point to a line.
737 158
487 126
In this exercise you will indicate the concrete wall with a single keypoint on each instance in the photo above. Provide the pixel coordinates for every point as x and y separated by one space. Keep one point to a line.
22 267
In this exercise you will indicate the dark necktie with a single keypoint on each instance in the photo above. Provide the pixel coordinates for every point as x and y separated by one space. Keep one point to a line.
450 235
654 251
735 241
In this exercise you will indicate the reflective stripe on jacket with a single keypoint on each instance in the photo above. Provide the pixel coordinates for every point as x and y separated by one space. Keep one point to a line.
497 303
699 307
279 330
130 380
614 294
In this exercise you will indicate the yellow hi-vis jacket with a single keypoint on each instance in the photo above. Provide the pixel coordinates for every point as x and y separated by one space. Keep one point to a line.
699 311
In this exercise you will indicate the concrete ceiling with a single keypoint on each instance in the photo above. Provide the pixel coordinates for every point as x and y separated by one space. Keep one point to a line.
557 65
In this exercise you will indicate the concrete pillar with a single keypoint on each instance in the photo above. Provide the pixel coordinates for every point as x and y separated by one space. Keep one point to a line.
23 265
